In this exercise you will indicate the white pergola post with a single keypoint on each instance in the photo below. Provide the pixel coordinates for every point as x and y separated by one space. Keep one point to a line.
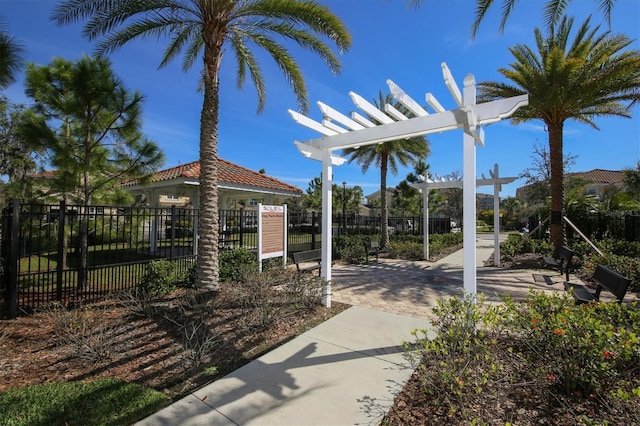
425 222
469 191
495 180
341 132
327 237
496 218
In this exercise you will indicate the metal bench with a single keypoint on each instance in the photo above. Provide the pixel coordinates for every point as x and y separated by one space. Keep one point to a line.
562 262
372 247
605 278
308 261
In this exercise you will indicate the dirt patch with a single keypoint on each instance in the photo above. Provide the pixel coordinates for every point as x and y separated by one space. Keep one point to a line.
149 350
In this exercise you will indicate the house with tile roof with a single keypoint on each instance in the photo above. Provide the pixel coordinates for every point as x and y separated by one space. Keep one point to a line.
238 187
598 181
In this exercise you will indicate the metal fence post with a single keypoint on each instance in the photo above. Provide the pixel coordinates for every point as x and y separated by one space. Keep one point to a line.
173 232
313 230
13 264
241 227
61 248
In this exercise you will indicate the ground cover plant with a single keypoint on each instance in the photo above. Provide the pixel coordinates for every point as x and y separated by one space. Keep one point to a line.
621 256
541 361
149 346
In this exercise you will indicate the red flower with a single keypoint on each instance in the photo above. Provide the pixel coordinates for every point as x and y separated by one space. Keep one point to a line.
551 377
608 354
558 332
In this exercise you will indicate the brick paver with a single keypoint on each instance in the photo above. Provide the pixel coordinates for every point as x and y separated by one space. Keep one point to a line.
412 288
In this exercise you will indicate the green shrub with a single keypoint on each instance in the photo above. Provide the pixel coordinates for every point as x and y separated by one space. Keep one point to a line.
517 244
235 263
439 242
625 265
350 248
572 352
456 361
585 348
406 250
161 277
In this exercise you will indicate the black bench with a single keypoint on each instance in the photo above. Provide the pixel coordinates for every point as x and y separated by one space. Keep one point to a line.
308 261
371 248
606 279
562 262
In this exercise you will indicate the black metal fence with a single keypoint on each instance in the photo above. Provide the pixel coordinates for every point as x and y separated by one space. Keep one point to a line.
69 253
621 225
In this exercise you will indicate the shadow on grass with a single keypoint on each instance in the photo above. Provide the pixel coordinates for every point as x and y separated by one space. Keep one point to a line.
102 402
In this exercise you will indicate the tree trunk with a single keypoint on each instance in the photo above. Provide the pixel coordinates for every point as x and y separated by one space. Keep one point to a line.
384 231
556 227
207 262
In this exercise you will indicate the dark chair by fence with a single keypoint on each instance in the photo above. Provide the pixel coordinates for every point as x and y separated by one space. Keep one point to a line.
606 279
562 262
308 261
372 247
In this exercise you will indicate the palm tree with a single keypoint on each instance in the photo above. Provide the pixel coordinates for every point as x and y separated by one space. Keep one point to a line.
210 28
590 77
512 207
388 156
10 58
632 181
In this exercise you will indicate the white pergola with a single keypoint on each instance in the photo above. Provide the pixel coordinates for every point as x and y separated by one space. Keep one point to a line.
340 131
442 183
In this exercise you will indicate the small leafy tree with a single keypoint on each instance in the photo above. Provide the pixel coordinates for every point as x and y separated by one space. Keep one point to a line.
89 124
17 159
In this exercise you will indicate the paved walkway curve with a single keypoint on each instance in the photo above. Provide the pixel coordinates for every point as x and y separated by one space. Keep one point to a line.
412 287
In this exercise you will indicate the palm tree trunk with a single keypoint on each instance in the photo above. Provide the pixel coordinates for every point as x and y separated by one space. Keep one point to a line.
556 228
384 231
207 262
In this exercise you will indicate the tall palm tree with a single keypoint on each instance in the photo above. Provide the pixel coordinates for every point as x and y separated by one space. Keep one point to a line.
590 77
388 156
211 28
10 57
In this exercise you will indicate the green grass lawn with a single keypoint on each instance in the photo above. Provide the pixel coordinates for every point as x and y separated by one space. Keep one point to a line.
102 402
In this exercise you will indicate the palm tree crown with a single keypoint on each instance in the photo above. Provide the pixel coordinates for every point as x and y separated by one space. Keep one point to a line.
584 79
10 58
210 28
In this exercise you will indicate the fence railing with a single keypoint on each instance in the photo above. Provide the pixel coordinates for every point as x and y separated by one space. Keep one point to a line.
622 225
70 253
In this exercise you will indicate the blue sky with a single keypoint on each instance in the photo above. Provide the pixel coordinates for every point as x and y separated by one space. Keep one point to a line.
390 41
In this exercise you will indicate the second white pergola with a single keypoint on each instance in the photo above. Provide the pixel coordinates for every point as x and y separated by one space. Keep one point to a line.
494 180
340 132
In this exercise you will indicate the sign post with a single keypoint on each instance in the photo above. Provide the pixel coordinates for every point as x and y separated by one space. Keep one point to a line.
272 233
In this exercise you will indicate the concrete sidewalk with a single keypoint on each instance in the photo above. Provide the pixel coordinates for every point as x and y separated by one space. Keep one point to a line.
347 370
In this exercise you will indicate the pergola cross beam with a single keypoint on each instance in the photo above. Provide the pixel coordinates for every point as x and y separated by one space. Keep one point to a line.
380 126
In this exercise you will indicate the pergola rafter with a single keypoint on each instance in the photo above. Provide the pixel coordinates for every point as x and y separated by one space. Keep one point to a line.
375 126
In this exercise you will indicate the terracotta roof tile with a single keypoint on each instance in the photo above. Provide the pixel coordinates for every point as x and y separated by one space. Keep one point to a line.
228 173
601 176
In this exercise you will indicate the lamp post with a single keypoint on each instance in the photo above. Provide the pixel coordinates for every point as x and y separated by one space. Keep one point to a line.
344 207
